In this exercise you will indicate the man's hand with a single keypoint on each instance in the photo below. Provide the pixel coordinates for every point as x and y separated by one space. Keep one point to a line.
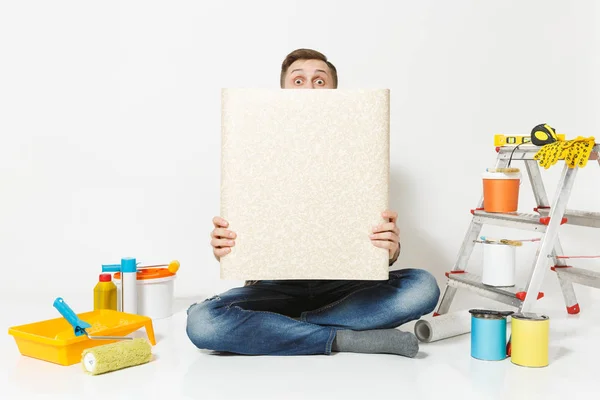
222 239
387 235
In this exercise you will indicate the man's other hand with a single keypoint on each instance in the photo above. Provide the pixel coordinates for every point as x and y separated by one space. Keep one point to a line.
222 240
387 235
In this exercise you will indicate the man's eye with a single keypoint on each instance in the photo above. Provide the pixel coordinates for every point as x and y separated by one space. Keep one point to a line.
320 82
298 81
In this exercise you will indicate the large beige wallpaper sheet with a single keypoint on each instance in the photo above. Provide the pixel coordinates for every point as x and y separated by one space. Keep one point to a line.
304 178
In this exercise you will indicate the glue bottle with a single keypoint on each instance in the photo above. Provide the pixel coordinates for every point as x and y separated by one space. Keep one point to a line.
128 291
105 293
129 285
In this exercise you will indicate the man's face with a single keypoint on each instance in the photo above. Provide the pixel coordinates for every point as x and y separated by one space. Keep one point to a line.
308 74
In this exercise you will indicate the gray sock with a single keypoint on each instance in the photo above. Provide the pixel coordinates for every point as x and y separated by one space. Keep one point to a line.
391 341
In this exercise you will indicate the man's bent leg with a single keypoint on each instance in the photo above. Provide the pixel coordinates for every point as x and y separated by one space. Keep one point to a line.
406 296
252 320
366 312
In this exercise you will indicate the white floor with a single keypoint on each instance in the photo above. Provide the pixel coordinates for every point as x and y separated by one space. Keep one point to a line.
179 371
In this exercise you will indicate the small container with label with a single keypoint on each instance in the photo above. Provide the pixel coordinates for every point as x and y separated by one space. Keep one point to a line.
105 294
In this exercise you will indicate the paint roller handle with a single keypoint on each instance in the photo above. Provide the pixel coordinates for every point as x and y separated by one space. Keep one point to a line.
64 309
153 266
111 268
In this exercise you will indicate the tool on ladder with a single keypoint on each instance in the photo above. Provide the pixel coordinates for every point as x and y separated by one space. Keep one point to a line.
546 219
543 134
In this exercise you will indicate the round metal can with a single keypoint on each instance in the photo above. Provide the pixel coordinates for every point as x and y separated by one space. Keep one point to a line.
488 335
530 336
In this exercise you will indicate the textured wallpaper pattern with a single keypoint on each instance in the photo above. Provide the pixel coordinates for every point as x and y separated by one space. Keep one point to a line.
304 177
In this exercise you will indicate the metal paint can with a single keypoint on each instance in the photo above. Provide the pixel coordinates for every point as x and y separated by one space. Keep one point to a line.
488 334
530 336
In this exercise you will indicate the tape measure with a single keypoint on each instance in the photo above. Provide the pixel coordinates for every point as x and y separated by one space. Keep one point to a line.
543 134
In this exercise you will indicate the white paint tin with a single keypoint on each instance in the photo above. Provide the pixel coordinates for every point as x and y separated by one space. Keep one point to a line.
498 264
155 292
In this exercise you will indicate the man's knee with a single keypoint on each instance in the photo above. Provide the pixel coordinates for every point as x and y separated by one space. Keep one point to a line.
429 288
202 327
422 285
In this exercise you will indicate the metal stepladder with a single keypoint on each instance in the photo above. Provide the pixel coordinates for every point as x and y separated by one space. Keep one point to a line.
547 219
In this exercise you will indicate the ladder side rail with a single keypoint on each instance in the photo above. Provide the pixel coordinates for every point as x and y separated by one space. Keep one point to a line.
466 249
541 198
537 184
464 254
566 286
548 241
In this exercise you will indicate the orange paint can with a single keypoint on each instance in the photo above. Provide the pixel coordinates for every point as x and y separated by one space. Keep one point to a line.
501 191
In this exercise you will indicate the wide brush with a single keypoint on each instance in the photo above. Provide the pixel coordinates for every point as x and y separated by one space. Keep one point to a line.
173 266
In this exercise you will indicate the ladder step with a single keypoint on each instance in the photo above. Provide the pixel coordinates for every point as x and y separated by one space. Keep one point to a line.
515 220
576 217
466 280
528 152
579 275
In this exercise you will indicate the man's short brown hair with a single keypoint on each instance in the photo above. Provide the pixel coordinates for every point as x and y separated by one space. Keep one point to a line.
306 54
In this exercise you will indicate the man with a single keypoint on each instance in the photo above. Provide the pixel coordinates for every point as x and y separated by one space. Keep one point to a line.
314 316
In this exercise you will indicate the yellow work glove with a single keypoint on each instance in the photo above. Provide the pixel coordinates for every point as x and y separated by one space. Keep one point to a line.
575 152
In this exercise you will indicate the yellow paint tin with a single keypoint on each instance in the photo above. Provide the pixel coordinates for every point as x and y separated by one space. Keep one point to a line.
529 339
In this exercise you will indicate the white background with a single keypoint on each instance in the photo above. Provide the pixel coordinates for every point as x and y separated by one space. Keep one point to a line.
110 120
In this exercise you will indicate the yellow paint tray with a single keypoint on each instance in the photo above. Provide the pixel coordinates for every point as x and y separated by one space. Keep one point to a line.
54 340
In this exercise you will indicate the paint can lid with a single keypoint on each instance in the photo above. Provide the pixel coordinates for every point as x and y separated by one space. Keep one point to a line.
489 314
530 316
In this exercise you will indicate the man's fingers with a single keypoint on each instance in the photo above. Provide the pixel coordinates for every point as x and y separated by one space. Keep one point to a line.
222 239
391 215
392 247
222 233
220 222
222 243
384 244
222 252
385 236
388 226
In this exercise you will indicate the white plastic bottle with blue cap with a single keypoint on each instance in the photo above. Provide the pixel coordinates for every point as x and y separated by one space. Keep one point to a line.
128 270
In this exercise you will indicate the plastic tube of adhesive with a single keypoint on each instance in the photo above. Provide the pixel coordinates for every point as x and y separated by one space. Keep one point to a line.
129 285
128 290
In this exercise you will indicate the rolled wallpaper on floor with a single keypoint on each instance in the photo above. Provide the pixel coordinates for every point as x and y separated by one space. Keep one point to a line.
304 178
431 329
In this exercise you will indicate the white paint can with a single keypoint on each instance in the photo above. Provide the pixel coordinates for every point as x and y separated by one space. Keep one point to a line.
498 264
155 292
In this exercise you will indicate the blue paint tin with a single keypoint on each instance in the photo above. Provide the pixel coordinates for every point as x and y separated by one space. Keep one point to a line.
488 334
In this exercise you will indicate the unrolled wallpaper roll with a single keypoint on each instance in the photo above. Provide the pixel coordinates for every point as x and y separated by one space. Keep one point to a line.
430 329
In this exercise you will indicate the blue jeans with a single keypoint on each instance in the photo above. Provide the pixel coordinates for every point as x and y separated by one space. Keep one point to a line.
302 317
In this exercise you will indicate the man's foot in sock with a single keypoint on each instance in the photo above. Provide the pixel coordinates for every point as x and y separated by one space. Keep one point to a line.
390 341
